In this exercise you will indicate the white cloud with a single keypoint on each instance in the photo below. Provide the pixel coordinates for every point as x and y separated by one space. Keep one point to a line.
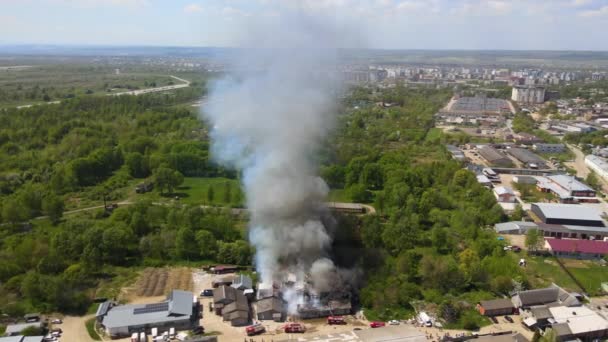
600 12
102 3
499 7
579 3
193 8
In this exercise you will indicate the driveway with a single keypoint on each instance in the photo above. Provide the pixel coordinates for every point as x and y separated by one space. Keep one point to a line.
74 329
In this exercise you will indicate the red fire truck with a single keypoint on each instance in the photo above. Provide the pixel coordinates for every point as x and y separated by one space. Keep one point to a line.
255 329
295 328
335 320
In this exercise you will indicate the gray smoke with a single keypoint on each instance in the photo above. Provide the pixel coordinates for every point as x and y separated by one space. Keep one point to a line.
268 118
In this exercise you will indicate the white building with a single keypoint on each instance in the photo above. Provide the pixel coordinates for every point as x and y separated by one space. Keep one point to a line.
598 165
528 94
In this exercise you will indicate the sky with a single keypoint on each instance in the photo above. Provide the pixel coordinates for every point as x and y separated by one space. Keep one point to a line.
382 24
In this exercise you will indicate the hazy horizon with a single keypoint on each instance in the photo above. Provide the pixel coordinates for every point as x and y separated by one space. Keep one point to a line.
509 25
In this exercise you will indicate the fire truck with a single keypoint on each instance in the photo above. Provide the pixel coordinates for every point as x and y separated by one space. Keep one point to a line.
255 329
295 328
335 320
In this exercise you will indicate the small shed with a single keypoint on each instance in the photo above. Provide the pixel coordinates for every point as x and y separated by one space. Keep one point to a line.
495 307
267 308
504 194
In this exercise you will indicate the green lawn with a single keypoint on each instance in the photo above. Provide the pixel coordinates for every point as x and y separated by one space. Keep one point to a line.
433 135
591 277
542 271
338 195
196 191
90 324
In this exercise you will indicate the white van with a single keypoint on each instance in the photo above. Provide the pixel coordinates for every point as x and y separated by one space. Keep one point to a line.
154 332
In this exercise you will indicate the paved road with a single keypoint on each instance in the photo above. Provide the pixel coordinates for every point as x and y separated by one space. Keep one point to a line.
185 84
157 89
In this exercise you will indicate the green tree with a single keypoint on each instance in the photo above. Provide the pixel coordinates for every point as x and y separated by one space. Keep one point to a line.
227 193
358 193
207 244
533 239
186 247
210 194
137 165
518 214
13 212
593 181
52 206
167 179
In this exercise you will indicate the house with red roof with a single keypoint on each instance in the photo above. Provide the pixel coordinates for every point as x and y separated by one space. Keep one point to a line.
580 249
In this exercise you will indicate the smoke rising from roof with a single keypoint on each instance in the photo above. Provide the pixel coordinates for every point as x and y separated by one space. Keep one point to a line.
268 118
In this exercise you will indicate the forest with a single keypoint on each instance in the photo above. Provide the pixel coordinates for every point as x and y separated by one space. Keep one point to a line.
428 241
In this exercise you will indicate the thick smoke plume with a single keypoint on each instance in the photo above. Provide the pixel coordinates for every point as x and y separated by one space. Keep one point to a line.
267 119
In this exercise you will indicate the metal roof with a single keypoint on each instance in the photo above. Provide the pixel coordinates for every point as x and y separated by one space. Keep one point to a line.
180 302
569 183
580 320
525 156
102 309
496 304
578 246
12 338
597 161
491 154
569 211
142 314
13 329
242 281
538 296
33 339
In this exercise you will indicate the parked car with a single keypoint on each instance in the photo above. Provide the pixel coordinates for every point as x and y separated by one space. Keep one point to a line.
494 320
198 330
207 293
377 324
56 321
393 322
509 319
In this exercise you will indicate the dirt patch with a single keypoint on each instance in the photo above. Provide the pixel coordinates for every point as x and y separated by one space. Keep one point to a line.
154 282
572 263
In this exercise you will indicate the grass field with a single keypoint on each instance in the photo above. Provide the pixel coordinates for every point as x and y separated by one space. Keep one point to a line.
591 277
433 135
225 191
338 195
90 324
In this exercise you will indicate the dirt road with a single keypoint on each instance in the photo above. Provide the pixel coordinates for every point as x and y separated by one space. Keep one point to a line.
74 329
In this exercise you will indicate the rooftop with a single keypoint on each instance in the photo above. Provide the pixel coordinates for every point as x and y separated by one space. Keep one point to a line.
14 329
525 156
177 307
569 211
580 320
600 162
494 304
480 104
569 183
503 190
578 246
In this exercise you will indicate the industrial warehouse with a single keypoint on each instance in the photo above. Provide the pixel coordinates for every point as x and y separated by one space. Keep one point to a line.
568 214
180 311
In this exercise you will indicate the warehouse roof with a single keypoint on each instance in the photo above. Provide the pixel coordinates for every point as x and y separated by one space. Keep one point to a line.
519 226
561 329
176 308
569 211
599 162
539 296
580 320
242 282
578 246
541 312
525 156
103 308
490 153
569 183
496 304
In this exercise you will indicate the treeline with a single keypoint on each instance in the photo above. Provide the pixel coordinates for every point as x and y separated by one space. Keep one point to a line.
55 270
597 138
94 146
428 239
